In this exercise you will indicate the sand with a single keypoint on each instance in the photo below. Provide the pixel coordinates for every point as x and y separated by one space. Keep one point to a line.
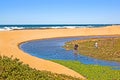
9 41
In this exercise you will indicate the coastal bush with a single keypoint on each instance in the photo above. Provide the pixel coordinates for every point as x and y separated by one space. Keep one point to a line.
91 72
13 69
108 48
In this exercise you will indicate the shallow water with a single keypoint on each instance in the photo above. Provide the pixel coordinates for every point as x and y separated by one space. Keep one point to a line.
52 49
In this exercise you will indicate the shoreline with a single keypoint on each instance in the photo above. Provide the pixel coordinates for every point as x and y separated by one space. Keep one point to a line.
69 26
70 37
10 40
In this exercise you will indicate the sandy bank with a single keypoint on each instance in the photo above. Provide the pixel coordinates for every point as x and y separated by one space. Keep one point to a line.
9 41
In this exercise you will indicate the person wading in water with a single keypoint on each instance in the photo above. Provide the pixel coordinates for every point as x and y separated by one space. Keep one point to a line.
76 47
76 51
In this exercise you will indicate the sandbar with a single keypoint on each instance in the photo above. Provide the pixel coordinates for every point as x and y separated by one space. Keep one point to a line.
9 41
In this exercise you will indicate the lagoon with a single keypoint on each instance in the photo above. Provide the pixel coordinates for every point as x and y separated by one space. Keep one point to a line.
51 49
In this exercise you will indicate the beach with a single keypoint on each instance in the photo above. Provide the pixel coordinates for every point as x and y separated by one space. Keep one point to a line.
10 41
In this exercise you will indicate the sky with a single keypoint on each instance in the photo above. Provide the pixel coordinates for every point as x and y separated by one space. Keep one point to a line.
59 11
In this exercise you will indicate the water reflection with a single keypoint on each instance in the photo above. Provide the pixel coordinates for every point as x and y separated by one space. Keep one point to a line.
76 53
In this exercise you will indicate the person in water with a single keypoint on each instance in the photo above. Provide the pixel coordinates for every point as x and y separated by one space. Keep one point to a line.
76 51
76 47
96 45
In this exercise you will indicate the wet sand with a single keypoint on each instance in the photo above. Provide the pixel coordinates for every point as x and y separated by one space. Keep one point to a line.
9 41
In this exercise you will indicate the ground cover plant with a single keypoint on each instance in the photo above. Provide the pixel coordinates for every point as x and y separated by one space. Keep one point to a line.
91 72
108 48
13 69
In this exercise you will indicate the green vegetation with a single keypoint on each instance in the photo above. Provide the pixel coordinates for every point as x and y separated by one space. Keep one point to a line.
91 72
108 48
13 69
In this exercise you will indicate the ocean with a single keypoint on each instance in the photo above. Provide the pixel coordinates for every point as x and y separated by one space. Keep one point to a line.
48 26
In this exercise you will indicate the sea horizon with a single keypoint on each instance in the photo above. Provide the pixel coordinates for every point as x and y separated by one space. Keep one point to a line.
7 27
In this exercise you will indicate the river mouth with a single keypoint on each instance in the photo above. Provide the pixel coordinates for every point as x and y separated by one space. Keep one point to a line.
52 49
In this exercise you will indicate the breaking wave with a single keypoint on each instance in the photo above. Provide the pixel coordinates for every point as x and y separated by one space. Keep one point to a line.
20 27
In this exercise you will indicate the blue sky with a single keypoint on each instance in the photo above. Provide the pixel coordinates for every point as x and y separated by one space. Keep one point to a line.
59 11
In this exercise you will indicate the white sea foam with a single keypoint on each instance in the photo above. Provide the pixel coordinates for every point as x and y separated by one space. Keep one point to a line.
71 27
2 29
18 27
57 27
6 28
10 28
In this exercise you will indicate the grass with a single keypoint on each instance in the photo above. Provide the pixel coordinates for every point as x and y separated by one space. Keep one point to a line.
108 48
13 69
91 72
